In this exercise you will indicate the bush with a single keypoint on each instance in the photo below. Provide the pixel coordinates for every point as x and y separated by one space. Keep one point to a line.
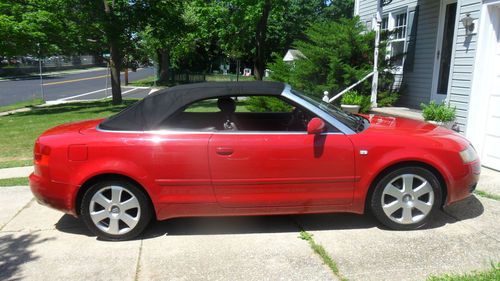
438 112
387 98
354 98
267 104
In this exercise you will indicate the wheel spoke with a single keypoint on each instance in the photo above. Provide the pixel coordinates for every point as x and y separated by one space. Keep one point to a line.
423 207
393 191
130 204
101 200
407 217
391 207
113 226
407 183
116 194
422 189
129 220
99 215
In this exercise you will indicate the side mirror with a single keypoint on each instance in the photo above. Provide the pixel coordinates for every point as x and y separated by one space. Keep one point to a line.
316 126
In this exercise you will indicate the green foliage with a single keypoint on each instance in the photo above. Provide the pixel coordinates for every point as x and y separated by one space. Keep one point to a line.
387 98
267 104
354 98
337 54
438 112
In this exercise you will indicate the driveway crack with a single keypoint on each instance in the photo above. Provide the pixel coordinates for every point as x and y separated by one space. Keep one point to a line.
18 212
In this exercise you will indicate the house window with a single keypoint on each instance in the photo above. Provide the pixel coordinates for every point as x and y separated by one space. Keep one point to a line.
396 24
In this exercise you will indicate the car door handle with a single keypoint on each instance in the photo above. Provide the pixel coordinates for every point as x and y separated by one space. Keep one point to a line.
224 151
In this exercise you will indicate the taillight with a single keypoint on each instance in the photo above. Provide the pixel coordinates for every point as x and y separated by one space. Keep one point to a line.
41 153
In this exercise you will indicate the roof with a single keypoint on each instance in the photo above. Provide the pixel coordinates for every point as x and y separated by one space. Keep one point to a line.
293 54
151 111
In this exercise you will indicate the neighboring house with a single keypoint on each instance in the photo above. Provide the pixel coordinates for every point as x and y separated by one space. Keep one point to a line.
443 62
293 55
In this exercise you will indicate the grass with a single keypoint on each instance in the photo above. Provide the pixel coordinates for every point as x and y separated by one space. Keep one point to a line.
320 251
16 163
20 130
14 182
149 81
21 104
487 195
491 274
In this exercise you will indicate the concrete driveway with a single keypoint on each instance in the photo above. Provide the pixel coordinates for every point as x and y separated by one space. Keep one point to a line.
37 243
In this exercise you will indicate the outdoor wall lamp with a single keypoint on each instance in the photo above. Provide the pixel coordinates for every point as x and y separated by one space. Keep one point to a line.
469 24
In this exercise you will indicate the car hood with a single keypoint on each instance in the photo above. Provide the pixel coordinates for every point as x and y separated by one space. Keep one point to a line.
383 125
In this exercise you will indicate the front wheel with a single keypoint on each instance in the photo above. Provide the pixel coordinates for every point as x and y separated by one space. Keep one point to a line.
406 198
115 210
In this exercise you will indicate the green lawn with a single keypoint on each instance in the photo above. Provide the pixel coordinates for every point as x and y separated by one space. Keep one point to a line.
148 81
22 104
20 130
492 274
14 182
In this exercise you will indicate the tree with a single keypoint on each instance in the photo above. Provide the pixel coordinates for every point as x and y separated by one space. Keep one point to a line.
337 54
164 29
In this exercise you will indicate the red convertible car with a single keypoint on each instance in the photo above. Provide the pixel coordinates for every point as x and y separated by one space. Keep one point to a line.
219 149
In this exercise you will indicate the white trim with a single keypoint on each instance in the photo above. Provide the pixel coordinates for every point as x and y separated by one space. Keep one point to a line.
356 7
439 46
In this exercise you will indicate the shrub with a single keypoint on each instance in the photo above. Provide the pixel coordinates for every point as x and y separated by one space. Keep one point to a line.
354 98
387 98
438 112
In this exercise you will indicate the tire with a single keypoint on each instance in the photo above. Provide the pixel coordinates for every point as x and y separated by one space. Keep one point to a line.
400 208
115 210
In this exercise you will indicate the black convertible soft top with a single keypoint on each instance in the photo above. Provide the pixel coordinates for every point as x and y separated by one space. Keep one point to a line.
151 111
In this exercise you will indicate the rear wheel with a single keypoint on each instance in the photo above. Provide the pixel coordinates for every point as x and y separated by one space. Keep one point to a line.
406 198
115 210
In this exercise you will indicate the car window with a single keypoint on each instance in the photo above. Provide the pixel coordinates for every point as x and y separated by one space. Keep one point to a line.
241 113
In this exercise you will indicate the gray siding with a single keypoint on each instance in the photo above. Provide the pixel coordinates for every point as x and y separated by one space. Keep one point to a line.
418 82
462 64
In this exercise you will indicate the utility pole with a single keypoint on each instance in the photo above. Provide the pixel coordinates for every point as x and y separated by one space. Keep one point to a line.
378 20
40 70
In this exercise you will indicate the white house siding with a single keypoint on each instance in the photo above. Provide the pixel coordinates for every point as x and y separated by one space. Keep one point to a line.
419 81
462 64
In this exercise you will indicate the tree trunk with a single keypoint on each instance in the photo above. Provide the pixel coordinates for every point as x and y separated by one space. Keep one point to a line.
260 42
116 60
164 64
115 65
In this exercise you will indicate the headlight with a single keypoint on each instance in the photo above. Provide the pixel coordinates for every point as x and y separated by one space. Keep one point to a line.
468 155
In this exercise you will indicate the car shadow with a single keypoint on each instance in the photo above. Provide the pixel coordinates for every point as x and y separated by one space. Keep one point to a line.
469 208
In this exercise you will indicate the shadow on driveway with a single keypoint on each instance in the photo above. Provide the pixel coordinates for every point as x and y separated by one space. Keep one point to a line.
15 251
469 208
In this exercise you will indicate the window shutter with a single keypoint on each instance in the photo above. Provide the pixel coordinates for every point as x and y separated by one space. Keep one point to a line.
411 38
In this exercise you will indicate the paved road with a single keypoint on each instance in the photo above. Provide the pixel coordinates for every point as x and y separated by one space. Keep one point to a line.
86 85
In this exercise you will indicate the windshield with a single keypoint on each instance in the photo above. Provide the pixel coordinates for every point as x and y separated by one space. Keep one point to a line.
350 120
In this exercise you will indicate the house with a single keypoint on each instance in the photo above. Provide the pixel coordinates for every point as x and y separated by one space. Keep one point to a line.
292 55
452 54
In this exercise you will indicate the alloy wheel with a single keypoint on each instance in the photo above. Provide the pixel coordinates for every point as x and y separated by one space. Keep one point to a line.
114 210
407 199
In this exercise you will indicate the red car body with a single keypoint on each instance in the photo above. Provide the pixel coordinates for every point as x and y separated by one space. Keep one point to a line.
211 174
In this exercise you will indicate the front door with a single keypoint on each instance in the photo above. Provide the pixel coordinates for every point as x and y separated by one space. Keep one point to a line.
279 169
446 33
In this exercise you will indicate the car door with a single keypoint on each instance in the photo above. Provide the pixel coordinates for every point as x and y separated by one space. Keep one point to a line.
265 169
